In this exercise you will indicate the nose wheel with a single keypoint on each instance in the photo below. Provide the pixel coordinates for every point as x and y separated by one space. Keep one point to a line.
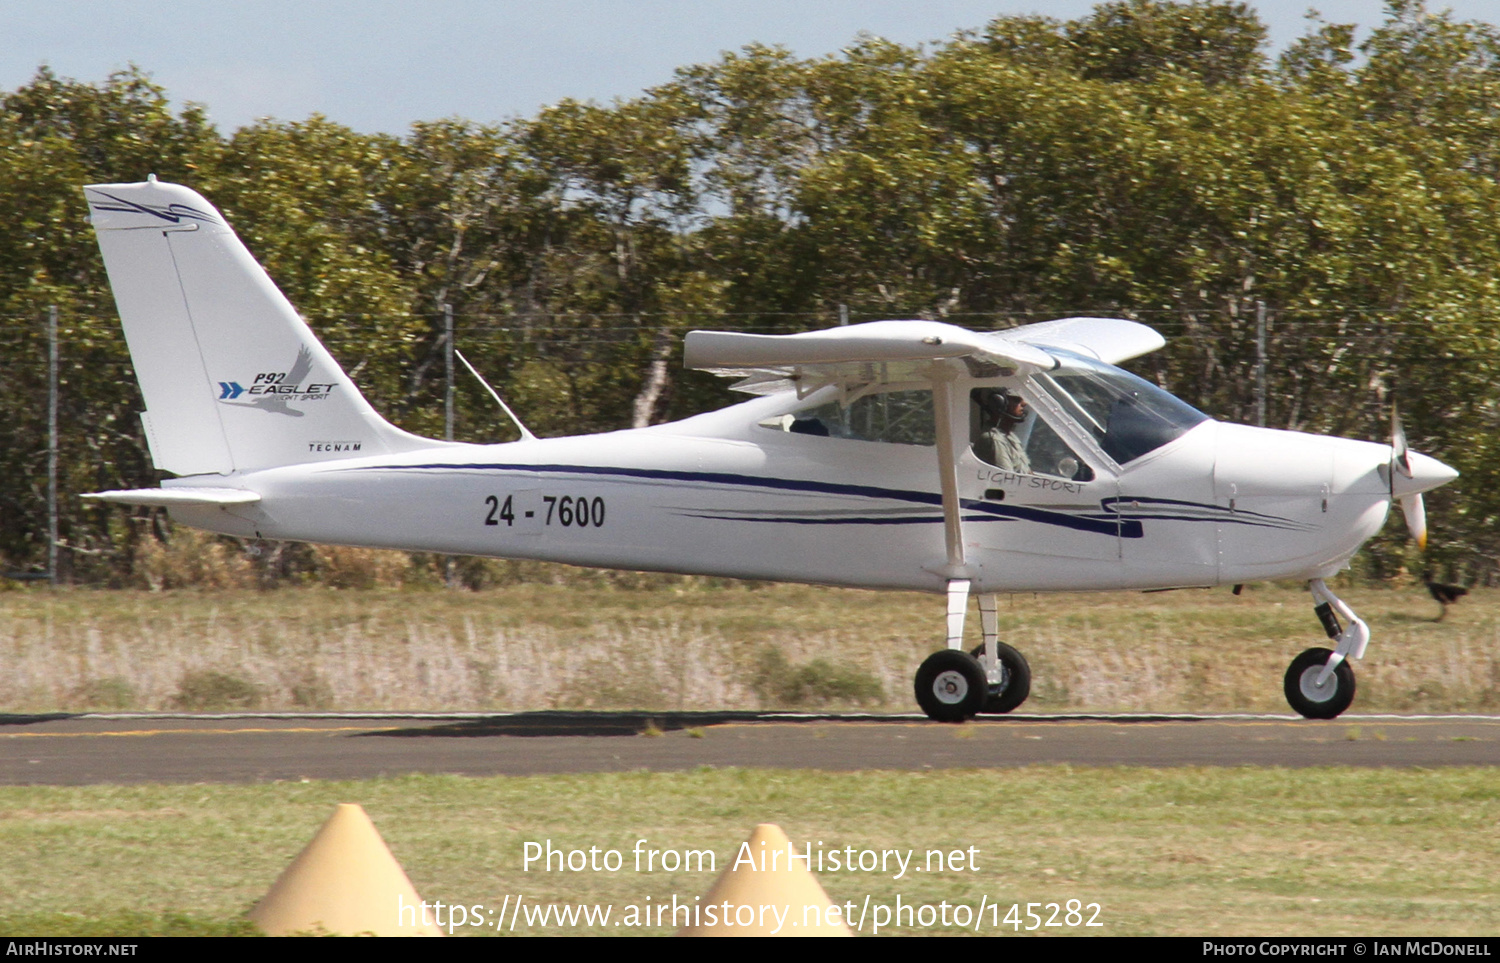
1313 695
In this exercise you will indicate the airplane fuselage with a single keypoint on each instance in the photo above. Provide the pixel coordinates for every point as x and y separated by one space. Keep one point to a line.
722 494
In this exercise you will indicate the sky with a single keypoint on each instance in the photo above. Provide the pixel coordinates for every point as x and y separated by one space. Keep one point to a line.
380 65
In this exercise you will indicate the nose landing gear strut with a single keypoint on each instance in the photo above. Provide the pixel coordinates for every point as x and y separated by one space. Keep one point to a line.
1320 683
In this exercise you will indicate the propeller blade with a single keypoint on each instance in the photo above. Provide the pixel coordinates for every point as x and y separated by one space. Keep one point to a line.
1400 453
1416 518
1411 474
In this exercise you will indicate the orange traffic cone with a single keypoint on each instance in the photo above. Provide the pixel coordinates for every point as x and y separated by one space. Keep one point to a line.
347 882
767 895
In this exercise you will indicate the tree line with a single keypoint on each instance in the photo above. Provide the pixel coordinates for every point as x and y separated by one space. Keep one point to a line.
1148 160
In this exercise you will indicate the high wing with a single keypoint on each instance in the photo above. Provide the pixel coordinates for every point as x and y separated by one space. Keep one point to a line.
900 352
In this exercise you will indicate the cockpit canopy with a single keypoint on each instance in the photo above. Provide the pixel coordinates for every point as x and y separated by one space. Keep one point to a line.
1127 417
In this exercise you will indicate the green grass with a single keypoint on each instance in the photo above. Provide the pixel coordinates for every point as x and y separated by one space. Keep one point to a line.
700 644
1180 851
1177 852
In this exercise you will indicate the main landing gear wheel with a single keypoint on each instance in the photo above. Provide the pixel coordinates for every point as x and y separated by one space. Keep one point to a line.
1314 701
1015 680
951 686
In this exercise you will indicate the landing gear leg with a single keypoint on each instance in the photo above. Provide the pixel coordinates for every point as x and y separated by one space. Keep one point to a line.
1006 669
1319 683
958 607
951 685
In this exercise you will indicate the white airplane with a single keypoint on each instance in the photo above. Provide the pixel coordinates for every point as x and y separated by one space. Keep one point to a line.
888 455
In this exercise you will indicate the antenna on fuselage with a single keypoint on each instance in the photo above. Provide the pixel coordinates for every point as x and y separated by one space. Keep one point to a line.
526 434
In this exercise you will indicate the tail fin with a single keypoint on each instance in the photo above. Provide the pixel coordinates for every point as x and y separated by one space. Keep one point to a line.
233 379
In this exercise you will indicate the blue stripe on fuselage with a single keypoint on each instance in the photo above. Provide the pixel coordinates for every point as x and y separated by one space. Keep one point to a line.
1107 525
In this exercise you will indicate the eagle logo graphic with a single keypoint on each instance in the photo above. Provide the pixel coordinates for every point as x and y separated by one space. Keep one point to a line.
279 404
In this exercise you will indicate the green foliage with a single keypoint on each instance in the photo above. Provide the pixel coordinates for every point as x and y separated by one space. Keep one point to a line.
1213 41
55 136
1143 160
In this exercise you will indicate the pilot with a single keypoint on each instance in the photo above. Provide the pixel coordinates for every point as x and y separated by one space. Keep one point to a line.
1001 412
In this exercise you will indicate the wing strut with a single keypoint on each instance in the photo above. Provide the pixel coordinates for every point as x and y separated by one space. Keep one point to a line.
947 454
956 569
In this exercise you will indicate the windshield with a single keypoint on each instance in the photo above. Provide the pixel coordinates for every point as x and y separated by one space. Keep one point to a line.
1128 416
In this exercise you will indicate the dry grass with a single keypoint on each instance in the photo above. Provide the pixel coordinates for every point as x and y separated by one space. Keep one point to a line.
692 644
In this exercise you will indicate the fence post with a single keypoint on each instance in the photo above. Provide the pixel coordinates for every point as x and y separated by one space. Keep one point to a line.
1260 363
448 411
52 444
448 364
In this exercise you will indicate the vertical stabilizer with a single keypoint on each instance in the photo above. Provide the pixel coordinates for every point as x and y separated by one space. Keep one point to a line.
233 379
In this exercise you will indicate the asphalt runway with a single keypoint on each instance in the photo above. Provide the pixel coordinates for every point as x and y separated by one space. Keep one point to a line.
93 748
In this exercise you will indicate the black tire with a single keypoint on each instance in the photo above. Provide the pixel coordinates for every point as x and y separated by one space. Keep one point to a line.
1335 696
1015 680
951 686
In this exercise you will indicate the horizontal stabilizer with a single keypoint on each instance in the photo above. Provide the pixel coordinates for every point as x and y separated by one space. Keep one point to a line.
169 497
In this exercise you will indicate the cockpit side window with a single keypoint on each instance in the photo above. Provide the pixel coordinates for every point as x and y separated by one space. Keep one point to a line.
1129 416
894 417
1006 433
